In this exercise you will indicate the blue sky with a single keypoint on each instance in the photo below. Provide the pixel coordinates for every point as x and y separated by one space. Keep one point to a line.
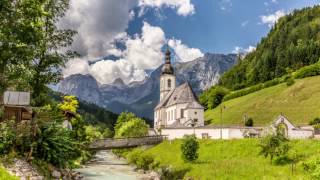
219 26
135 32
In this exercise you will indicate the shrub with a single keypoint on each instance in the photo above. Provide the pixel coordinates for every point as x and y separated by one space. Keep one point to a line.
308 71
315 121
213 97
169 173
290 81
189 148
274 145
249 122
313 167
133 128
8 137
56 146
142 161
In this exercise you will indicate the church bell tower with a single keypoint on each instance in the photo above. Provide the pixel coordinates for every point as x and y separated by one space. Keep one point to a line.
167 78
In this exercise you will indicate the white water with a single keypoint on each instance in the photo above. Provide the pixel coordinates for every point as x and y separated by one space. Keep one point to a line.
106 166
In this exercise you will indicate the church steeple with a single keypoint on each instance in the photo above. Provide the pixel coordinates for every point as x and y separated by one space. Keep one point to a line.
167 68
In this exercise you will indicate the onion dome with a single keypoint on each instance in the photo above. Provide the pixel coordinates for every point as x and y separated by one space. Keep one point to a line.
167 68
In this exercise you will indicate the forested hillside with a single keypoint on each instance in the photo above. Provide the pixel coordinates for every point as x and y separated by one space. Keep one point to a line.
292 43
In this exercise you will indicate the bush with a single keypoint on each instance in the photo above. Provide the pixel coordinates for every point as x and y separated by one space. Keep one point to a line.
169 173
56 146
274 145
313 167
252 89
249 122
142 161
315 121
290 81
189 148
308 71
133 128
8 137
213 97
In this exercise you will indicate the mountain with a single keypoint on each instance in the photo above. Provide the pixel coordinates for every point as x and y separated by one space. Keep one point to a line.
142 97
293 42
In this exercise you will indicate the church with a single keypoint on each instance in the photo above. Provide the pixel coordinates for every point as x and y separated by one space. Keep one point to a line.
178 106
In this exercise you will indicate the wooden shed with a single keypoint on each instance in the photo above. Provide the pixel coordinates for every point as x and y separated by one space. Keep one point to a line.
17 106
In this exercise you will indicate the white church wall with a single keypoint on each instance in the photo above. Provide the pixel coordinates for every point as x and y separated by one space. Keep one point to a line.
300 134
211 133
196 114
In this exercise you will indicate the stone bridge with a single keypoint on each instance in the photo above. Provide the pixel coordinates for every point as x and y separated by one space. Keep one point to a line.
118 143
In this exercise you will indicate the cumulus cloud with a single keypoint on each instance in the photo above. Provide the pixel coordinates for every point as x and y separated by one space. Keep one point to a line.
184 7
143 52
98 23
241 50
271 19
183 52
102 24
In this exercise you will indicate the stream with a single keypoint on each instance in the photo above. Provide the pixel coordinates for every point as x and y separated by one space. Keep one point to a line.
107 166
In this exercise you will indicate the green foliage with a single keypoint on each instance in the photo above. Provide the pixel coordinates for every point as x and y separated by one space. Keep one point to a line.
135 127
7 137
315 121
213 97
70 103
92 133
312 166
123 118
251 89
299 102
189 148
142 161
249 122
308 71
290 81
5 175
56 145
293 42
169 173
274 145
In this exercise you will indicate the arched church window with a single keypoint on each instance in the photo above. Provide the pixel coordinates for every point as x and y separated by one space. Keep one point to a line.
169 83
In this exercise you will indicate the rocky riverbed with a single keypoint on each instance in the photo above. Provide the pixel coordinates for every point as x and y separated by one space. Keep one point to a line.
106 166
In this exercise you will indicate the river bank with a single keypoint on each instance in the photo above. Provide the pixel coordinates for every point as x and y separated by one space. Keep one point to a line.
105 165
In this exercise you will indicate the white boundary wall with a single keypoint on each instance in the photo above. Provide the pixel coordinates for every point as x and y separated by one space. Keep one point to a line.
213 133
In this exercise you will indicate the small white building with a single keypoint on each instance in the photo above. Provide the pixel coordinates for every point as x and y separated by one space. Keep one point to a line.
290 130
178 106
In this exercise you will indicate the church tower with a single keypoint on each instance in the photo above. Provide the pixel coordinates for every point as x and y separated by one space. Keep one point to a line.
167 78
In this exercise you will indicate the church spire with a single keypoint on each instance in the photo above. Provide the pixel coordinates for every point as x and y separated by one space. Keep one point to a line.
168 56
167 68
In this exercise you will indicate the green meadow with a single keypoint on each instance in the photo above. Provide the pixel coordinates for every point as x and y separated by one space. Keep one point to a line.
234 159
4 175
299 102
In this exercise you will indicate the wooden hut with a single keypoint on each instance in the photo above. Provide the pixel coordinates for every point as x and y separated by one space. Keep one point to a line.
17 106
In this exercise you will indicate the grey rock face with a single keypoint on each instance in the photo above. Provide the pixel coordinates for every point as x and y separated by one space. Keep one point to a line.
142 97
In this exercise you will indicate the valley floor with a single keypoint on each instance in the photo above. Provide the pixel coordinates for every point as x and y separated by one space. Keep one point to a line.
234 159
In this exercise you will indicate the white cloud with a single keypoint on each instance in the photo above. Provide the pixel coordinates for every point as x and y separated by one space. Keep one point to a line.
142 52
100 24
241 50
274 1
271 19
184 7
183 52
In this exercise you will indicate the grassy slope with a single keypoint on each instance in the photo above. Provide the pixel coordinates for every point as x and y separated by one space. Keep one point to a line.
299 102
5 175
234 159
